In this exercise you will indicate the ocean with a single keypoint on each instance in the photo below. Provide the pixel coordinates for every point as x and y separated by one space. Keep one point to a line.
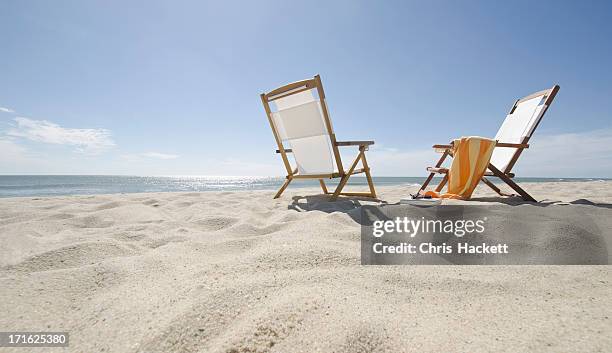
55 185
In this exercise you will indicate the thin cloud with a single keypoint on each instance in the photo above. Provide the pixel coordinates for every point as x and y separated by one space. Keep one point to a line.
6 110
240 166
149 155
160 155
9 150
16 159
582 155
389 161
85 140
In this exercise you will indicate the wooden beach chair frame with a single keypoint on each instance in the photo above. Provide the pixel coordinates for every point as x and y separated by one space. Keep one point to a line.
505 175
292 173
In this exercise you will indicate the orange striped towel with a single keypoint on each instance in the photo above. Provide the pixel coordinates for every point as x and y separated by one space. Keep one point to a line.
471 156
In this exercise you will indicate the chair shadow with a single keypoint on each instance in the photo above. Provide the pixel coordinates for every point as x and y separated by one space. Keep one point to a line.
518 201
587 246
350 205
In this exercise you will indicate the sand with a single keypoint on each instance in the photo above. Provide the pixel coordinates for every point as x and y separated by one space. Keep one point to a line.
241 272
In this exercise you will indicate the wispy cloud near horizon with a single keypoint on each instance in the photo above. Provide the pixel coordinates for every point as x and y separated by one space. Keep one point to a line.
583 155
150 155
160 155
92 141
6 110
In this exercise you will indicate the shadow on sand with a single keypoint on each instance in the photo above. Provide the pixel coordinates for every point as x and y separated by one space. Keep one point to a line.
352 205
349 205
546 232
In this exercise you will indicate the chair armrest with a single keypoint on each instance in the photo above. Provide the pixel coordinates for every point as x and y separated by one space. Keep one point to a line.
498 144
341 143
515 145
354 143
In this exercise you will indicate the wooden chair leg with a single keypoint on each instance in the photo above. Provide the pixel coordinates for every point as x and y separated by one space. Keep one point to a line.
368 176
442 183
339 188
431 175
427 181
491 185
285 184
282 188
323 187
345 178
498 173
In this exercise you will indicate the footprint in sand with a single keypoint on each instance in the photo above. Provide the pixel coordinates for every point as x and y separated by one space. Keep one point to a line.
108 206
77 255
250 230
211 224
156 243
184 204
61 216
92 222
152 202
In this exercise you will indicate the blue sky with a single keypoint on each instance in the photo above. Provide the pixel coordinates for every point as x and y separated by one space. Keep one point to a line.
172 87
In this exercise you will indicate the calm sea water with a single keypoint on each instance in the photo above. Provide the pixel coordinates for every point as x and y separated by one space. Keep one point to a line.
49 185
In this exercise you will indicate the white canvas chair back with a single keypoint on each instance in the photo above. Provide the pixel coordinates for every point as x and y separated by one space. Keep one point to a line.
299 121
518 127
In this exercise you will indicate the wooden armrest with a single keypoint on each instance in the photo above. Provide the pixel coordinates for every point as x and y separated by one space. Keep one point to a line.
515 145
499 144
341 143
437 170
354 143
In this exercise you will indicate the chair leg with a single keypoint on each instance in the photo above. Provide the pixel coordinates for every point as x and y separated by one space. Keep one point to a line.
492 186
345 177
340 186
442 183
286 183
368 176
427 181
431 175
283 187
323 187
498 173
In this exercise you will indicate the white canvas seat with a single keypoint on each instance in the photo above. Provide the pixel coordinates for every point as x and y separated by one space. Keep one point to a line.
300 122
518 125
512 138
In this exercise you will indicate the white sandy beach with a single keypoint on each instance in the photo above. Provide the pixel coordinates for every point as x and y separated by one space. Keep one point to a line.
241 272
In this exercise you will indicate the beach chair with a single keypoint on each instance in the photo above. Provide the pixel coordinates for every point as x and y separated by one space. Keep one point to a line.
512 138
301 126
